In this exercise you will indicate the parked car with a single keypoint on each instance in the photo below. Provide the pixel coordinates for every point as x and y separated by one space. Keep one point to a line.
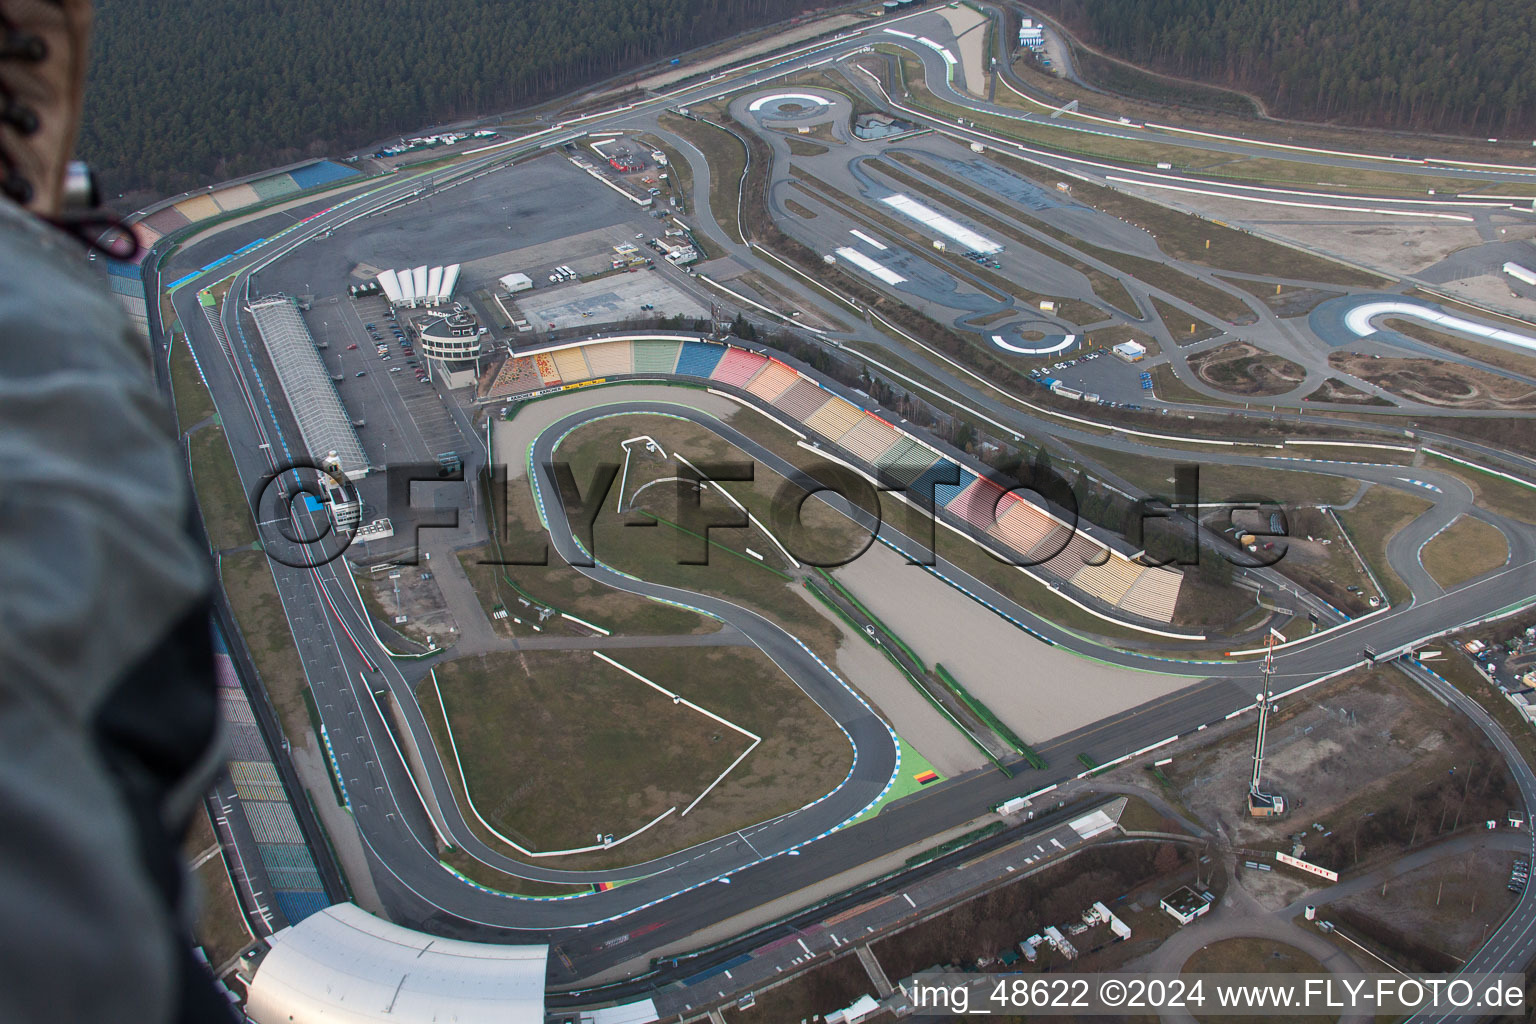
361 373
352 346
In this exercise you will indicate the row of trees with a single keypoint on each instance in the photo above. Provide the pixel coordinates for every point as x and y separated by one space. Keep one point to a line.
179 96
1456 66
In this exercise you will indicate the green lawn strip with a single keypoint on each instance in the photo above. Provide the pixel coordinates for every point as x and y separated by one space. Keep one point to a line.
872 617
1220 482
226 513
985 714
1465 550
960 841
247 581
1088 762
1373 522
713 543
314 723
221 928
1175 320
727 160
905 784
193 403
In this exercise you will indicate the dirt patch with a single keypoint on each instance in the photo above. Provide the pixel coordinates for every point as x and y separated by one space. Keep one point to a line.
1447 903
1335 390
408 600
1369 757
1437 382
1285 301
1242 368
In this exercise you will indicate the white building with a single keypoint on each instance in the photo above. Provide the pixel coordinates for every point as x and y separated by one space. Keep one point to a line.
515 283
1031 36
345 966
1130 351
1184 905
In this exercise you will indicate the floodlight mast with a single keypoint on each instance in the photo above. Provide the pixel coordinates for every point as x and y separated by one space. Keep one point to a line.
1260 803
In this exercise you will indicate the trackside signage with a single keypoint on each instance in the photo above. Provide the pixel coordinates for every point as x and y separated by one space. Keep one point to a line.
1298 863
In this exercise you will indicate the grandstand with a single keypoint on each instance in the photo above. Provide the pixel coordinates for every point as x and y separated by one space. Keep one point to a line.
698 359
835 419
323 422
738 366
274 187
802 400
236 197
198 207
775 379
1017 525
870 439
612 358
321 172
653 356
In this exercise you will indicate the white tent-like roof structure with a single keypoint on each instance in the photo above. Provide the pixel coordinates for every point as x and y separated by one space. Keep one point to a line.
345 966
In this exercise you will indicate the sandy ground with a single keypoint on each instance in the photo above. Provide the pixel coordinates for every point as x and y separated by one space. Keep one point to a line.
1039 691
970 29
1399 245
913 718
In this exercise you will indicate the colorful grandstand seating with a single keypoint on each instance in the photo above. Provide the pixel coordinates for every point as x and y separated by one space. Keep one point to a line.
980 503
930 484
1081 550
165 221
275 187
546 368
775 379
236 197
909 460
656 356
802 400
198 208
738 366
1021 525
943 493
698 358
571 364
1107 582
517 375
1051 546
870 439
1154 594
321 173
834 419
609 358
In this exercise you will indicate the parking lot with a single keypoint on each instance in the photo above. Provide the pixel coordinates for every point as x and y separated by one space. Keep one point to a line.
1101 373
404 420
608 300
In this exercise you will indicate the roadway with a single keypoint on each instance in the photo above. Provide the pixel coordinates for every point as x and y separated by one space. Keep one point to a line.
345 669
